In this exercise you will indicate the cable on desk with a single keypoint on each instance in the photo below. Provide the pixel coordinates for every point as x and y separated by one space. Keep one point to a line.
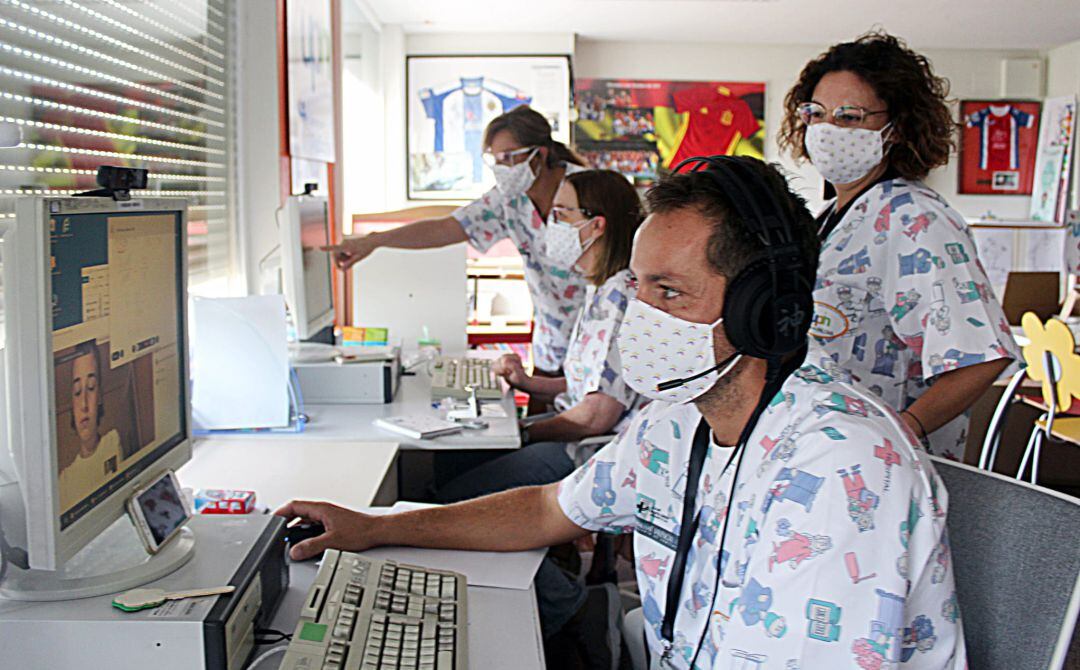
270 636
267 654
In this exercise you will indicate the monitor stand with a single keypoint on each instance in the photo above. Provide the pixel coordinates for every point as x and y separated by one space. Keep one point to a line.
114 561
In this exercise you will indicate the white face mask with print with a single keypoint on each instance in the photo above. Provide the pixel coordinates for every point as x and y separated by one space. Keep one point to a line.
667 358
513 180
563 245
844 155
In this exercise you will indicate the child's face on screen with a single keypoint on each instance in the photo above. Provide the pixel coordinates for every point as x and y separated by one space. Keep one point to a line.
84 397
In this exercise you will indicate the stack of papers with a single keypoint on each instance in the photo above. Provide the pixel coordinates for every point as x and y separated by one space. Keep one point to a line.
418 426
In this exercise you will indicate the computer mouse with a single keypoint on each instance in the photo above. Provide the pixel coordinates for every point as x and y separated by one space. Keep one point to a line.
295 534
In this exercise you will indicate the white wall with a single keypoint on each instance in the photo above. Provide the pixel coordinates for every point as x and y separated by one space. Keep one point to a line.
257 134
972 74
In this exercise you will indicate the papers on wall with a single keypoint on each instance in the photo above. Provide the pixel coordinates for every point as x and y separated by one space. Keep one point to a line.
996 254
240 363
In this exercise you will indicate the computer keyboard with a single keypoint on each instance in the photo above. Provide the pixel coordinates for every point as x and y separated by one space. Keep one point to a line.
367 614
451 377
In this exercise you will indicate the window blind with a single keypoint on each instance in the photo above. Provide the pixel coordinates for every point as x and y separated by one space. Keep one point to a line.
138 83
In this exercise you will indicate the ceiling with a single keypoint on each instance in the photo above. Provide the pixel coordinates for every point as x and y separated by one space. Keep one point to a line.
962 24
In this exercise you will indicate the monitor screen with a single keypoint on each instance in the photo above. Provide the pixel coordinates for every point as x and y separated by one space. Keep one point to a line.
117 306
315 233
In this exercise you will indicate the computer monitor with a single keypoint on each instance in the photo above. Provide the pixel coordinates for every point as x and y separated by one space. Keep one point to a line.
306 270
97 367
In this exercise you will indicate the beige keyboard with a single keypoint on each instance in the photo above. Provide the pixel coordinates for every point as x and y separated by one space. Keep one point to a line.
367 614
452 377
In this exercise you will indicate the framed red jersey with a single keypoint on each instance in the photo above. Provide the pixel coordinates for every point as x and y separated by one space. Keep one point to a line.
997 146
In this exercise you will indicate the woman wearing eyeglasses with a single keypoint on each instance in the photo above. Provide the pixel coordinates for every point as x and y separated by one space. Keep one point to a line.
902 303
529 166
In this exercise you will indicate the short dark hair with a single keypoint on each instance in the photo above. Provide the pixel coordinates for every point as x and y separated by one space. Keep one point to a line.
608 194
732 245
531 129
915 98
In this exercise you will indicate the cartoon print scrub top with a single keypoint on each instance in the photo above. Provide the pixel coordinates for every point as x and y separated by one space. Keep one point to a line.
837 555
556 293
901 297
592 360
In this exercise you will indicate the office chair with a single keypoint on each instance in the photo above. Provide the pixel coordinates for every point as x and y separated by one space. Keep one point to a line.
1051 360
1017 565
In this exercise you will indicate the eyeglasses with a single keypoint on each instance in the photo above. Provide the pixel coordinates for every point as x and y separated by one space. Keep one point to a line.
505 157
559 214
845 116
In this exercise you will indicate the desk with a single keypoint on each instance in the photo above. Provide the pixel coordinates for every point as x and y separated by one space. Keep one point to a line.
354 422
504 626
346 473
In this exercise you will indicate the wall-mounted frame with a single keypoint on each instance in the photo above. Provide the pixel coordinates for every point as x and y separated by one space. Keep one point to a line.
997 146
450 99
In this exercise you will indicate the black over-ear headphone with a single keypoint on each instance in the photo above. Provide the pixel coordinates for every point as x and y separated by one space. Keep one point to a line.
768 306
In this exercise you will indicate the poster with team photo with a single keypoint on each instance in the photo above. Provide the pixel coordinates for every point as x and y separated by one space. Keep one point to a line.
1049 198
451 99
997 146
643 127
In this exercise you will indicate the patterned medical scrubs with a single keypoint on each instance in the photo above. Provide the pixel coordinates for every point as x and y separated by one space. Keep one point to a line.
592 361
901 297
837 555
556 294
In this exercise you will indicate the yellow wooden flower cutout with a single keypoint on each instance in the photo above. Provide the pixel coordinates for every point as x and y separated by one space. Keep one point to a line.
1056 338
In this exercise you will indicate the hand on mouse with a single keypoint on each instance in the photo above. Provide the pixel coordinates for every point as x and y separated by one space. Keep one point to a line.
345 529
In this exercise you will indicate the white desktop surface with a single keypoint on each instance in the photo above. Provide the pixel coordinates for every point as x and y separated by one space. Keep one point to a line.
354 422
504 626
280 470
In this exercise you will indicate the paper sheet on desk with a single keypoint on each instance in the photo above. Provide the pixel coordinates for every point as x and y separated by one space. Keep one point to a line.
504 570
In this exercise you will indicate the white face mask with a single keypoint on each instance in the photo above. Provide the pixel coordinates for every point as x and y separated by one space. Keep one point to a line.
844 155
562 243
658 350
515 179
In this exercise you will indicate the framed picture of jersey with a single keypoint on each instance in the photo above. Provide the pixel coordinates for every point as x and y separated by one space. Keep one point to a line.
997 146
451 99
643 127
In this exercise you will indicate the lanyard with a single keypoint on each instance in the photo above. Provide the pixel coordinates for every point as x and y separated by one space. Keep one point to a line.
775 376
687 529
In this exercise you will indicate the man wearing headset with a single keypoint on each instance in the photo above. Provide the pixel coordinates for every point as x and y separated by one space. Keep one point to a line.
825 521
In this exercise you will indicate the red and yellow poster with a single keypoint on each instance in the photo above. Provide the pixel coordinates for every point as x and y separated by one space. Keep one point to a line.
641 127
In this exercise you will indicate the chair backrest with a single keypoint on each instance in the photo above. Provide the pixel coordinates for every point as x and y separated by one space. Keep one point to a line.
1016 557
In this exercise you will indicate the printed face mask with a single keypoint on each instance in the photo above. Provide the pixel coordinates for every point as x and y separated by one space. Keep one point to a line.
563 243
667 358
515 179
844 155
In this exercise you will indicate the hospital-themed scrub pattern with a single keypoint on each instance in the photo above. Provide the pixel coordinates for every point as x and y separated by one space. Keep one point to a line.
837 556
556 293
901 297
592 360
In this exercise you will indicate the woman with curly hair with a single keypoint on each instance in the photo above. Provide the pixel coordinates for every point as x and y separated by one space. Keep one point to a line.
902 303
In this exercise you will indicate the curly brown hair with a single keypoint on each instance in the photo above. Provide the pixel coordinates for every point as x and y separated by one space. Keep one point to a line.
922 125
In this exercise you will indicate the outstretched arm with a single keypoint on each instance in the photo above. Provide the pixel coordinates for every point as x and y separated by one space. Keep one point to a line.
425 234
524 518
